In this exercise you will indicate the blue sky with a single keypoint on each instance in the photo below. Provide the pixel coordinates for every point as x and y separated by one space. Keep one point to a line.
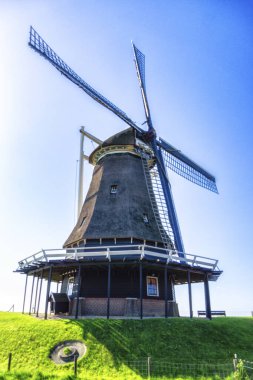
200 83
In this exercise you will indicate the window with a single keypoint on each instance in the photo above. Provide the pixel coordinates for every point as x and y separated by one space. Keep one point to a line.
145 218
152 286
83 221
114 189
70 286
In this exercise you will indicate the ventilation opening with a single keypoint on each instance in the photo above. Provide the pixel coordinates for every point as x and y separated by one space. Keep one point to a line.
145 218
114 189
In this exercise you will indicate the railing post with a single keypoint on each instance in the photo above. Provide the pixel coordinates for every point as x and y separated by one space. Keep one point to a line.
45 255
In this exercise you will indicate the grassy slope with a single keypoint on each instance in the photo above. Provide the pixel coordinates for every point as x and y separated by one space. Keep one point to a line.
112 344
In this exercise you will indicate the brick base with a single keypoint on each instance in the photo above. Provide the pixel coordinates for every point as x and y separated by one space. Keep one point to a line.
123 307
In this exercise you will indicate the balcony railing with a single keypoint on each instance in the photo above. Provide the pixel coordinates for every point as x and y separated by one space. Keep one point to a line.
109 252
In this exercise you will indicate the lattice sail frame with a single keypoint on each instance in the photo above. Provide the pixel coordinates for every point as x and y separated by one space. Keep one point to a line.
37 43
161 204
188 172
174 159
140 62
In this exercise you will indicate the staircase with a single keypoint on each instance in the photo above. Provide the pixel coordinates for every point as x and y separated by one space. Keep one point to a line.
158 203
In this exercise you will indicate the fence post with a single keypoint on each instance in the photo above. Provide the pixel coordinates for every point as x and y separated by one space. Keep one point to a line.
235 362
75 364
149 367
9 361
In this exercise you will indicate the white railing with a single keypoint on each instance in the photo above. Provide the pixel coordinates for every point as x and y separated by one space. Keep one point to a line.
108 252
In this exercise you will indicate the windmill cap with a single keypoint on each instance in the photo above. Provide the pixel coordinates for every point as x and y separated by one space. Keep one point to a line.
121 140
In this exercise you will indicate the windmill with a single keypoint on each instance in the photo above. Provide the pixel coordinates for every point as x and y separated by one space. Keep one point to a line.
148 158
164 153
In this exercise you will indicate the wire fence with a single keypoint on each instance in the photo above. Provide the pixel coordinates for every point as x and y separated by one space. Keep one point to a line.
149 368
245 369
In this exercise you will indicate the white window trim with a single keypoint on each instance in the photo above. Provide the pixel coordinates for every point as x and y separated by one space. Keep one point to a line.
70 278
157 286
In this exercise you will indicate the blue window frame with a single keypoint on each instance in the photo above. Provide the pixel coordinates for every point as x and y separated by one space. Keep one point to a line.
152 286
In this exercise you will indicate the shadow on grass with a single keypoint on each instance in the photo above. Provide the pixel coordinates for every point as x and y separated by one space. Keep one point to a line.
126 345
115 344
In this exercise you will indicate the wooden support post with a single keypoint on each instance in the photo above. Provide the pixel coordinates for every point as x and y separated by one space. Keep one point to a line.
235 362
149 367
38 304
36 294
207 298
78 290
108 289
141 291
166 290
48 290
75 364
23 310
190 292
30 308
9 361
172 288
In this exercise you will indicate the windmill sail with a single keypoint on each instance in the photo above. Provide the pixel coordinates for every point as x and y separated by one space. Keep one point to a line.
37 43
140 69
140 66
182 165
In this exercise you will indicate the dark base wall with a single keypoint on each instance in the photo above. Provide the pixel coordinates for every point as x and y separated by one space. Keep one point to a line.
124 282
123 307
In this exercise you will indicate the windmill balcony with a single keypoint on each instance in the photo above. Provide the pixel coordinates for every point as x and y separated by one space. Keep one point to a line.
119 280
124 253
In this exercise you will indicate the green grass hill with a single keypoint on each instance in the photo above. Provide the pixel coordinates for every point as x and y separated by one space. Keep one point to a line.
118 349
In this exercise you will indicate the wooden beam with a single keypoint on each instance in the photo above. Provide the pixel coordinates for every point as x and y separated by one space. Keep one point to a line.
38 305
108 289
78 290
141 290
190 293
48 290
166 290
207 297
23 310
30 308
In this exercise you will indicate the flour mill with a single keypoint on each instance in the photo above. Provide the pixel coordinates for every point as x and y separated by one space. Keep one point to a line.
125 255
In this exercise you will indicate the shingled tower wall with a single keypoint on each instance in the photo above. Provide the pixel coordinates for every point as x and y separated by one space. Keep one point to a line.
121 215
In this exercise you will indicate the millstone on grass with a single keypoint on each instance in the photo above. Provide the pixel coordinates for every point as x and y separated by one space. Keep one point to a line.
65 352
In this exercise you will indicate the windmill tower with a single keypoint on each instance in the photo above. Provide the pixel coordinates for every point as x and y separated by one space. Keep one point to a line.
125 254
